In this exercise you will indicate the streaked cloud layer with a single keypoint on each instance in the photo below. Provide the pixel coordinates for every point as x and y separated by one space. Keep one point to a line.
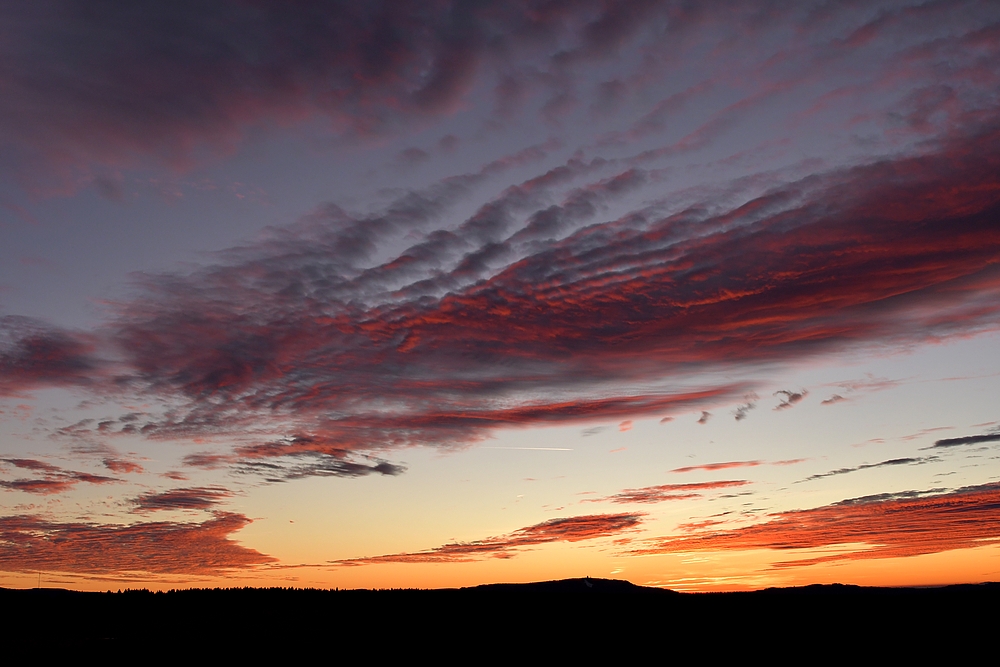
898 526
899 251
567 214
572 529
32 544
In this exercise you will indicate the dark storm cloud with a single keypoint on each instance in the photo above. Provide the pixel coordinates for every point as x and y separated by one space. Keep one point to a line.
572 529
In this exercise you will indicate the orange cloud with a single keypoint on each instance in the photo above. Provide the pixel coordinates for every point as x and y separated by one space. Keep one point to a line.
30 543
572 529
890 525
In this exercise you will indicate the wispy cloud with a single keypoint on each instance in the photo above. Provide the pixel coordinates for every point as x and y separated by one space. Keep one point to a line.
789 398
719 466
868 384
664 492
992 436
726 465
889 525
741 410
867 466
54 479
924 431
572 529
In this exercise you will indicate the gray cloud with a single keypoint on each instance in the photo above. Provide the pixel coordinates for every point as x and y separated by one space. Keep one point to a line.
789 398
867 466
968 440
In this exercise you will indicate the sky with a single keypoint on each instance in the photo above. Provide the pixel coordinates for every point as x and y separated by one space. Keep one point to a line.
701 295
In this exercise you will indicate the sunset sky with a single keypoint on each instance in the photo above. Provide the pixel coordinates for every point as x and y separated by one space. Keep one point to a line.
702 295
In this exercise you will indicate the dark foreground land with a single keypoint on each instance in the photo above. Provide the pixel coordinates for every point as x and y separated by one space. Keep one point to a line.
574 612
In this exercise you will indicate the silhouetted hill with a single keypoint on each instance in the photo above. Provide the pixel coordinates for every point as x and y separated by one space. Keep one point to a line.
593 609
585 586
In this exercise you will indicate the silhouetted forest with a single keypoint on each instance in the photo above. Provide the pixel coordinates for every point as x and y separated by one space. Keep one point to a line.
568 611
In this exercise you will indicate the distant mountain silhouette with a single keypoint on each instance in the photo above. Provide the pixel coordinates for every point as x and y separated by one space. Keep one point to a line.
584 586
588 610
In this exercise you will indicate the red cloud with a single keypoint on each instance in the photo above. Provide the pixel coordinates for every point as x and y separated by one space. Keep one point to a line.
658 494
573 529
333 446
56 479
720 466
33 464
40 486
892 527
284 333
736 464
28 544
38 356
